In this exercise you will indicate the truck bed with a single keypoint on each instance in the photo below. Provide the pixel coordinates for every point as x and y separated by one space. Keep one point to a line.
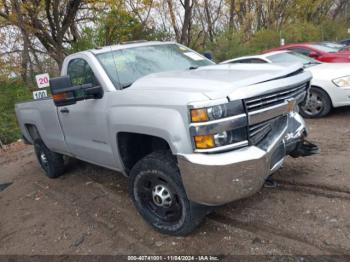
42 115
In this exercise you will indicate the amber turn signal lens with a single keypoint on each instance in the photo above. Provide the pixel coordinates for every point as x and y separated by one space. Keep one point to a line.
204 142
59 97
199 115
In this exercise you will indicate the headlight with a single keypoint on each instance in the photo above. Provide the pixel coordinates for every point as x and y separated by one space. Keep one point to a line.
221 139
342 81
230 137
216 112
219 127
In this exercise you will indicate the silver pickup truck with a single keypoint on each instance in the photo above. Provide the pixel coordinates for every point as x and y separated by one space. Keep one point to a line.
187 133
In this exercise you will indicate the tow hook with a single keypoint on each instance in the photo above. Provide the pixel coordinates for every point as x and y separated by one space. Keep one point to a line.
305 148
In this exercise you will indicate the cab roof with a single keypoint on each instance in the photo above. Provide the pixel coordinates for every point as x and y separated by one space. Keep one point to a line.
127 45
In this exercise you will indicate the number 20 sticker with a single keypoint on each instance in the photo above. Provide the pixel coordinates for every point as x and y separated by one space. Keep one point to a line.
42 80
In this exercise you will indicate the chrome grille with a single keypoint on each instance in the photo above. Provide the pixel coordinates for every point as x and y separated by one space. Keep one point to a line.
267 100
259 131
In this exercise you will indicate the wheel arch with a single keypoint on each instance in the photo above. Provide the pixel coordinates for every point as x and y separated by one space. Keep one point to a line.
132 147
32 132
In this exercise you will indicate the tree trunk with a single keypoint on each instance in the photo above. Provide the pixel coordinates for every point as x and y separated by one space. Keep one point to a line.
186 27
209 20
25 59
231 19
173 19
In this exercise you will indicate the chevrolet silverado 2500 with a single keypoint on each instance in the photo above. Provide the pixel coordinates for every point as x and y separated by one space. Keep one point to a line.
187 133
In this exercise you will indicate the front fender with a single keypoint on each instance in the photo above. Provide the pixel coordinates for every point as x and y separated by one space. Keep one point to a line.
161 122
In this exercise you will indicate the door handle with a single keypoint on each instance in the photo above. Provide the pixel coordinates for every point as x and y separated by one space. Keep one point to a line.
64 110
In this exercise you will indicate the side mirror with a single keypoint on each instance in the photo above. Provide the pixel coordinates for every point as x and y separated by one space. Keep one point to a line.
93 92
64 94
314 55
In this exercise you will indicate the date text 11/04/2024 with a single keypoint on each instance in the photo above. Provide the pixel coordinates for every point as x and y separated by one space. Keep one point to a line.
173 258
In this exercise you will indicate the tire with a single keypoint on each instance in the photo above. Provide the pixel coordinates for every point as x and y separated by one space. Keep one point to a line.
52 163
318 104
158 194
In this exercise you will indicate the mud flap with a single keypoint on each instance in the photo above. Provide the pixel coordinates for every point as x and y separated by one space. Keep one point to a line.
305 148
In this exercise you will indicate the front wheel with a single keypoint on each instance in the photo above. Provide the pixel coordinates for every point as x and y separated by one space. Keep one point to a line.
318 104
156 189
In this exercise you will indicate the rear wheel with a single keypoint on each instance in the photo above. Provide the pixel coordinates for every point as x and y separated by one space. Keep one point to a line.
318 104
52 163
156 189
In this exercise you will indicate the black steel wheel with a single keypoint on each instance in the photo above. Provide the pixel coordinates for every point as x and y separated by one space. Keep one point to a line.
159 197
158 194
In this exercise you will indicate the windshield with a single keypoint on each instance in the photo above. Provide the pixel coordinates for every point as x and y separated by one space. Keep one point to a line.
325 48
292 57
125 66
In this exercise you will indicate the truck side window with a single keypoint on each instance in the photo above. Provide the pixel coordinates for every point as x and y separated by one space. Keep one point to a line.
81 73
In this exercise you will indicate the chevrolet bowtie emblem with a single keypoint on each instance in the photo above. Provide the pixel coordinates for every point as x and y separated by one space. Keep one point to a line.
291 105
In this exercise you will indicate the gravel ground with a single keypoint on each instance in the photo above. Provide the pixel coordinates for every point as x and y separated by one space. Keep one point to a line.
88 211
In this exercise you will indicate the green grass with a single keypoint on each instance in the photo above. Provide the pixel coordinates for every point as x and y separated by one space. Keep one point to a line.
11 92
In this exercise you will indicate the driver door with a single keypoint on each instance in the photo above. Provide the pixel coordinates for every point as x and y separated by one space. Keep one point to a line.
84 124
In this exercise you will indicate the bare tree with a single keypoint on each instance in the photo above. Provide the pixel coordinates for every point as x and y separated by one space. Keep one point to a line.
173 20
183 33
141 9
50 22
212 11
341 8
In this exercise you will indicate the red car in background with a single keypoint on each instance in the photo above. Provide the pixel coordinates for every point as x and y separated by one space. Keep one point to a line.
324 52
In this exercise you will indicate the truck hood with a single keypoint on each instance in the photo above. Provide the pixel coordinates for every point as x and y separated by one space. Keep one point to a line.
215 81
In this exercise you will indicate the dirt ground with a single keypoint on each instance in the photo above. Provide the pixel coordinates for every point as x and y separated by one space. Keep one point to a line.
88 211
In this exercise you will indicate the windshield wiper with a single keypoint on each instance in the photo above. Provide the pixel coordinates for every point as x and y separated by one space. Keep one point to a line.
193 67
127 85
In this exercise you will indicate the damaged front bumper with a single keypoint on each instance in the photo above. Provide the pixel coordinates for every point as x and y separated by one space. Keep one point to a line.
216 179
